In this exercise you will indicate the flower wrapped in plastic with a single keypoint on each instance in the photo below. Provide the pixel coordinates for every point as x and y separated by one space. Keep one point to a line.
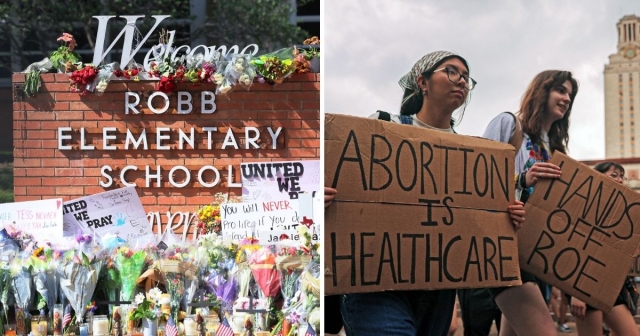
219 76
9 248
78 280
291 261
44 264
266 275
130 265
225 290
226 86
174 262
23 292
104 76
241 70
275 67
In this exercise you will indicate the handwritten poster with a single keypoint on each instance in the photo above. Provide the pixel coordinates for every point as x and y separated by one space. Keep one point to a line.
42 219
266 181
306 216
118 212
252 219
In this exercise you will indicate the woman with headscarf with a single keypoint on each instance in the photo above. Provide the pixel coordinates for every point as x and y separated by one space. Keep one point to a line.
437 85
620 319
542 128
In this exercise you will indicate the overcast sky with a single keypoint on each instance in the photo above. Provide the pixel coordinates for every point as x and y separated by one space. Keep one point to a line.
369 44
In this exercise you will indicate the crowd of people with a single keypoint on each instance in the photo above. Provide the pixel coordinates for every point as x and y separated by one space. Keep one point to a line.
438 85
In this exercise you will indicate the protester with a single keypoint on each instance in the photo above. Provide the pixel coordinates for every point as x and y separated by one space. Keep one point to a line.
437 85
543 122
478 311
558 305
620 319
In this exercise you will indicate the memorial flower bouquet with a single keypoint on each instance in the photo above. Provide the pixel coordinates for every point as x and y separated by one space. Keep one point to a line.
148 306
241 70
44 262
23 291
82 80
174 263
64 58
78 280
312 51
209 219
277 66
266 275
291 261
170 73
130 265
208 216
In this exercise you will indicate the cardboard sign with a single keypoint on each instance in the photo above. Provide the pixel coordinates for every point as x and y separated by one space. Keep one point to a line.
118 212
42 219
416 209
581 233
251 219
266 181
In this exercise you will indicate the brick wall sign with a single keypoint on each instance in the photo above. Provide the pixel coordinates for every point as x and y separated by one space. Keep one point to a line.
178 150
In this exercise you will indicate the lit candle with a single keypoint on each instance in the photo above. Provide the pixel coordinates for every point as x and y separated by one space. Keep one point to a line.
39 326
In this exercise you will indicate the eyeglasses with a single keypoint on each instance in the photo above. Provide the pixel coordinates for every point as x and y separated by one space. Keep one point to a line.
455 76
615 176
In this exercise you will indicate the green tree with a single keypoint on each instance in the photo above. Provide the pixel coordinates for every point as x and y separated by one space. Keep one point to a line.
263 22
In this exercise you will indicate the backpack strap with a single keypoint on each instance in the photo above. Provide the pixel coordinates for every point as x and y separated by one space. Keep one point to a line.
518 134
406 119
386 116
382 115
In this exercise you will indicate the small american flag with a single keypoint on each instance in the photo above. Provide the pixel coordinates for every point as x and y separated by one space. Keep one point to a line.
67 316
224 329
170 329
310 331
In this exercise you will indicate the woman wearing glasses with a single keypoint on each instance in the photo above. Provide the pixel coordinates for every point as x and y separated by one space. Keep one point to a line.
544 121
437 85
620 318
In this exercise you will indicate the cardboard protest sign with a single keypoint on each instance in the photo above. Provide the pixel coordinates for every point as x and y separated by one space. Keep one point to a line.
581 233
266 221
266 181
416 209
42 219
118 212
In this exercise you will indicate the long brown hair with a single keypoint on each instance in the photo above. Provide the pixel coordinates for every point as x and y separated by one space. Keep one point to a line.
533 108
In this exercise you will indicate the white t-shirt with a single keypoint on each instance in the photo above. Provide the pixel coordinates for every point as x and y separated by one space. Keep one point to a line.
502 127
416 122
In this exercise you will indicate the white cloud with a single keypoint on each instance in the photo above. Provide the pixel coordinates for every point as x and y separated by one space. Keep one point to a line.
370 44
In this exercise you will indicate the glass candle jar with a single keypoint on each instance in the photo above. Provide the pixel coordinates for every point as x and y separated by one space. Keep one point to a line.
9 330
21 322
190 325
100 325
39 326
84 329
57 319
211 323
